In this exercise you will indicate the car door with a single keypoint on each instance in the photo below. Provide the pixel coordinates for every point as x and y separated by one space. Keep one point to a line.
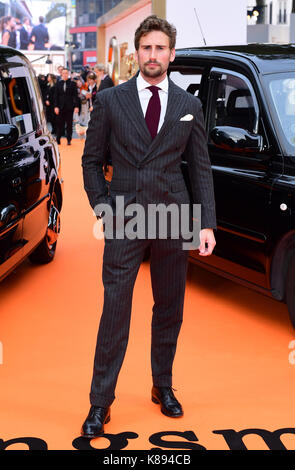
242 181
24 112
11 218
11 215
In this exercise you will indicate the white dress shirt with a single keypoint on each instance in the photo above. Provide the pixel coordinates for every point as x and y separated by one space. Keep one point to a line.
145 95
17 34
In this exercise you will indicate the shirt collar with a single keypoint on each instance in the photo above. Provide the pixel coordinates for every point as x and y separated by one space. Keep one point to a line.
142 84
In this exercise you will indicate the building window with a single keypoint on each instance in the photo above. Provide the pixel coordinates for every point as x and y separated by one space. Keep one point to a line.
89 10
282 19
90 40
270 13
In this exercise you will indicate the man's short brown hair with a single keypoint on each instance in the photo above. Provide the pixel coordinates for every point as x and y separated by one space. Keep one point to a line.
154 23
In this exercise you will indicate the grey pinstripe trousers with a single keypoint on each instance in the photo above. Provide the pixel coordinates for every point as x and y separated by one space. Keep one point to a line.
121 262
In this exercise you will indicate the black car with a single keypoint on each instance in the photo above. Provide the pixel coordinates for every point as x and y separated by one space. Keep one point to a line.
30 180
248 97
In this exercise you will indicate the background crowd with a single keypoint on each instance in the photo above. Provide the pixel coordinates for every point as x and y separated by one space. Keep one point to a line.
69 96
21 34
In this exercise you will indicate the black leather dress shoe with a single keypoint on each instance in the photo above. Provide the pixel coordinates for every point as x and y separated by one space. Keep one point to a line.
170 406
94 423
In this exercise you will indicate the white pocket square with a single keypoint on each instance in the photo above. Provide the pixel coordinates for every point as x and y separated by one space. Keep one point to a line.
187 117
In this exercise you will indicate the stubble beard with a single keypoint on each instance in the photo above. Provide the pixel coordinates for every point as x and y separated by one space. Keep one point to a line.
152 73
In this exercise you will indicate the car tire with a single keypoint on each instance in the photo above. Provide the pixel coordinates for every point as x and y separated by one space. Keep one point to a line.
45 251
290 291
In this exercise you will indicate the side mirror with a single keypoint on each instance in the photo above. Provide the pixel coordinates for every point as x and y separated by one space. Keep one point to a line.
235 138
8 135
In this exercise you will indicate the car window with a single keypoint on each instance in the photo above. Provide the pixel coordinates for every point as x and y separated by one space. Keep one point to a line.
36 98
232 103
281 88
187 78
20 110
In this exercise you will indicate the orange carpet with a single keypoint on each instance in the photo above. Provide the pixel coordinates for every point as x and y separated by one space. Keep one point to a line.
233 368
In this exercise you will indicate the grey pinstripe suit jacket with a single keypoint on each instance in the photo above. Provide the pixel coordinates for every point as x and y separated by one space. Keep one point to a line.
145 170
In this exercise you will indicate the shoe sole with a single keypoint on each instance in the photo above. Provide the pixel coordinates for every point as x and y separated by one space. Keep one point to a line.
92 436
155 400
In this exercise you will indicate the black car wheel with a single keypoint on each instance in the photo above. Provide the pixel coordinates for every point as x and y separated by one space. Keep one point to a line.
45 251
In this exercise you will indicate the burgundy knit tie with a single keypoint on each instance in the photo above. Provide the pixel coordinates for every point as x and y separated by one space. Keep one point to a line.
153 111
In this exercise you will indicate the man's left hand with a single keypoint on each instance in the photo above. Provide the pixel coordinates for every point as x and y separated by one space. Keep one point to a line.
208 242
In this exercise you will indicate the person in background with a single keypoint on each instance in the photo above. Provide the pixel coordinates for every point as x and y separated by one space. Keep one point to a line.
74 75
49 101
84 72
84 115
27 25
22 36
66 102
83 103
7 27
43 86
103 78
59 69
92 89
39 35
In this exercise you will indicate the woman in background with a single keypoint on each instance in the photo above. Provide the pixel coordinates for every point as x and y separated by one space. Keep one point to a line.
7 28
84 115
92 89
49 101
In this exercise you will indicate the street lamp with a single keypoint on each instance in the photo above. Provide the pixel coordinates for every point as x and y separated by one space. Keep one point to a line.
47 61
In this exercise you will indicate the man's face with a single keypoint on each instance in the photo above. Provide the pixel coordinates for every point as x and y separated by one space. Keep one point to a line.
60 69
99 73
65 75
154 54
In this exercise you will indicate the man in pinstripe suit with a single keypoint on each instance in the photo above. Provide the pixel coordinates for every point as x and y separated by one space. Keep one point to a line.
146 170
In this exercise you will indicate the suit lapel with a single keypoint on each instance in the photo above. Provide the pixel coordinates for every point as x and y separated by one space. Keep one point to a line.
174 109
128 97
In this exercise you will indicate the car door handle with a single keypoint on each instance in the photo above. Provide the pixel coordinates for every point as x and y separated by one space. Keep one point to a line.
7 213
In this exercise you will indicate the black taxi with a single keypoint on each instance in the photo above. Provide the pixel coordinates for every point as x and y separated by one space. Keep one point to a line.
30 179
248 97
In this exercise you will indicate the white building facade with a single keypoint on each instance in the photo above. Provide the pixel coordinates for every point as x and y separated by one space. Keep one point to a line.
198 23
273 23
